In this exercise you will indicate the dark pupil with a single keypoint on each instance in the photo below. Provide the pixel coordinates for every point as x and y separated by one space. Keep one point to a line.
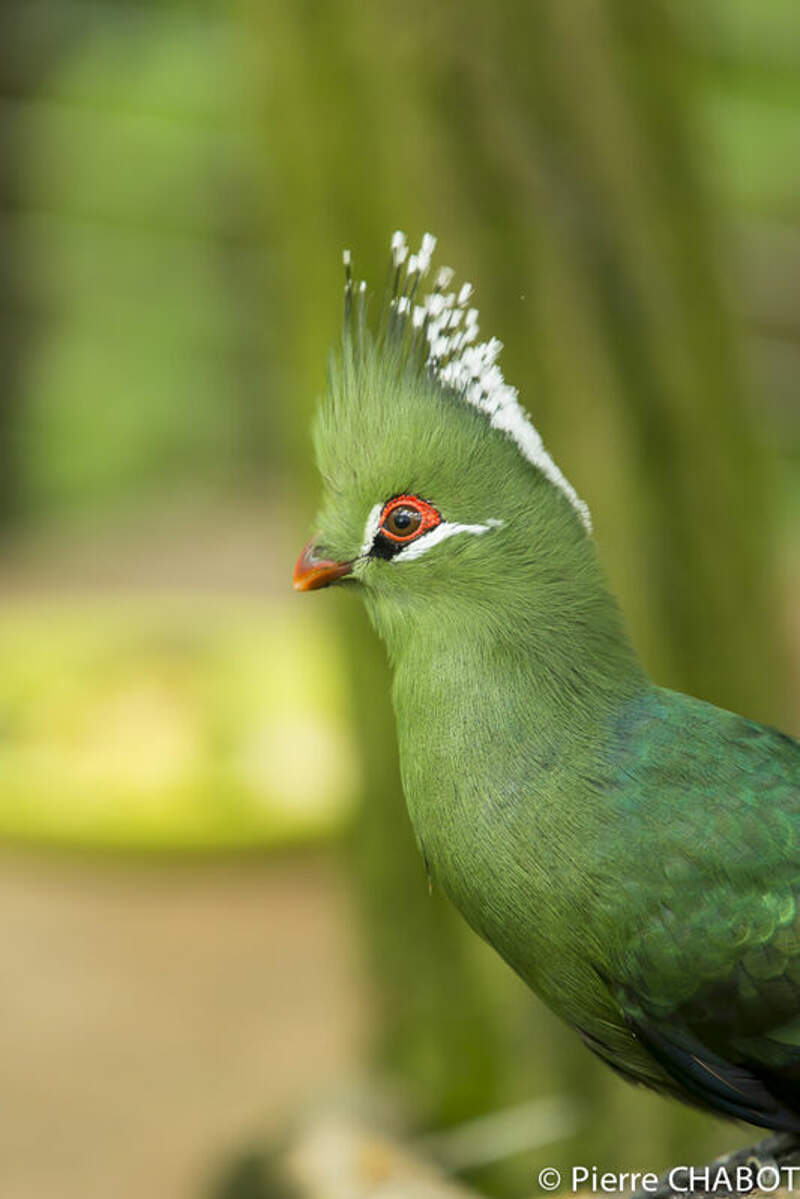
403 521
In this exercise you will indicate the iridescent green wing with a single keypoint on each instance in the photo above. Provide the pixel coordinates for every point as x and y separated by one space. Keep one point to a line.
705 935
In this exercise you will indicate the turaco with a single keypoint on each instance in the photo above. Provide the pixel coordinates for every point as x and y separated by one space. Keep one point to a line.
632 852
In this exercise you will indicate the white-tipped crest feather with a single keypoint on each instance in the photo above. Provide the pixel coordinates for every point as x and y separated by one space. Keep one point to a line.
464 365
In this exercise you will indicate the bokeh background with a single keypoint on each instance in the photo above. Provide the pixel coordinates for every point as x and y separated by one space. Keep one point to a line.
211 912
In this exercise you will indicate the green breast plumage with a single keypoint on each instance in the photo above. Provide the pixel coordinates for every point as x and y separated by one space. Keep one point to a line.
645 881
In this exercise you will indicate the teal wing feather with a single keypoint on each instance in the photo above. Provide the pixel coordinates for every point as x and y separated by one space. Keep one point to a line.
704 932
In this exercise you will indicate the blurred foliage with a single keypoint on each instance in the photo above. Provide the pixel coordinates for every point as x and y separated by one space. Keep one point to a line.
181 725
176 182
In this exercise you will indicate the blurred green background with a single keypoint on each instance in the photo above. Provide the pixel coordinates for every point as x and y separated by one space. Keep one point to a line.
211 911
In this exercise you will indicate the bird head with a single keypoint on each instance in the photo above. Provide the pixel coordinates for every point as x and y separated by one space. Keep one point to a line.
438 490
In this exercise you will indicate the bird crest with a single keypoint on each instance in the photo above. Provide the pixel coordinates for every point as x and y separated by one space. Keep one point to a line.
437 333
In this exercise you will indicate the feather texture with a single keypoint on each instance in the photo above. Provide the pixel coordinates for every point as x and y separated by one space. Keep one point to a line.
633 853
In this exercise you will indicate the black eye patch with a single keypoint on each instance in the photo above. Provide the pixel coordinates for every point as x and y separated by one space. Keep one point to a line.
384 547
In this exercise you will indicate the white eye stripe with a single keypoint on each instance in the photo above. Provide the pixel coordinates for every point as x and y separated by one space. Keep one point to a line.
428 540
371 529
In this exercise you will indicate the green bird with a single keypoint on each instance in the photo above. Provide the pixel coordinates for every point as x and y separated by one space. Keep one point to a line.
632 852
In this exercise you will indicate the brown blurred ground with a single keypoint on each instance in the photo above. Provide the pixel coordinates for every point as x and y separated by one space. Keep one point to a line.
151 1019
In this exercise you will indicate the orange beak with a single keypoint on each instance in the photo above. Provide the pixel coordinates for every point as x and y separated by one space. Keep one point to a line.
311 572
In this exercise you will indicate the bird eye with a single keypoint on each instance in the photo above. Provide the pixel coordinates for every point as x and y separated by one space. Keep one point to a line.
402 522
406 517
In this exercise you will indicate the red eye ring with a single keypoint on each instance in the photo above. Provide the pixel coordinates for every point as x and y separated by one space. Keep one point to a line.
406 517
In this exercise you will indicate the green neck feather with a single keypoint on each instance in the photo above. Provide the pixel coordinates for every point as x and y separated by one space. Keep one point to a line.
501 707
556 647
